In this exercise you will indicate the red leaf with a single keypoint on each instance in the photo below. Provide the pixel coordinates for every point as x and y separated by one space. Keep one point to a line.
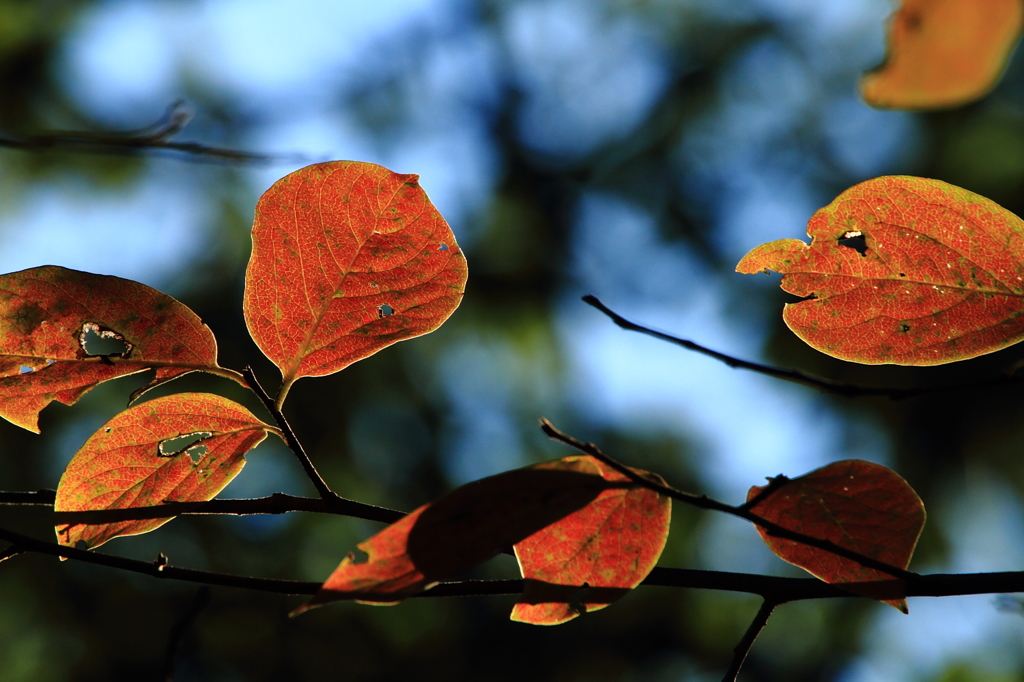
50 317
858 505
134 461
348 258
941 277
462 529
944 53
593 556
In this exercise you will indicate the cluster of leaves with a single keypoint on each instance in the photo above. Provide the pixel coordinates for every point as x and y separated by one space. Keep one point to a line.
349 258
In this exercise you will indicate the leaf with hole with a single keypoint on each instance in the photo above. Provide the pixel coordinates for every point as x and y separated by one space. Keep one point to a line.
595 555
62 332
348 258
858 505
906 271
177 449
944 53
460 530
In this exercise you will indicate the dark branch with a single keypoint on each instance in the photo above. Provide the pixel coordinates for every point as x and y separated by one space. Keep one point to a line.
739 654
278 503
796 376
705 502
291 439
153 138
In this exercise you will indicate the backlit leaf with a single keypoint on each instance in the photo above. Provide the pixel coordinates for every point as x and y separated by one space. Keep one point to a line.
348 258
593 556
906 271
180 448
462 529
52 319
858 505
944 53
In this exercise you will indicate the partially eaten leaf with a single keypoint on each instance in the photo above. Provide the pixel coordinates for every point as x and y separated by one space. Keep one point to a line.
939 278
348 258
593 556
858 505
62 332
180 448
461 530
944 53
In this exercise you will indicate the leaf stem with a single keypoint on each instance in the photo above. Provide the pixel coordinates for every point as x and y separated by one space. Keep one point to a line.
743 648
290 438
796 376
705 502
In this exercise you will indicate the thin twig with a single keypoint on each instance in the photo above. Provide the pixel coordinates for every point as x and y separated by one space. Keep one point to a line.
290 438
153 138
796 376
178 631
11 551
705 502
743 648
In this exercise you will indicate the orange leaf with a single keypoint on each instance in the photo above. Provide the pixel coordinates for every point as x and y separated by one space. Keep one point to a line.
141 458
944 53
348 258
858 505
51 318
940 279
462 529
593 556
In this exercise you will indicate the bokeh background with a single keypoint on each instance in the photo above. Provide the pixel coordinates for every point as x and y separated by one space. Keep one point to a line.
631 149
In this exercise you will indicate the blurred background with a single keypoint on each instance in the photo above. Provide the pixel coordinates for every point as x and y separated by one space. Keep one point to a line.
630 149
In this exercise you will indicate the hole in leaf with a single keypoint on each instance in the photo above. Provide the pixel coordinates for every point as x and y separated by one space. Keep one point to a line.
443 247
385 310
99 342
904 327
25 369
187 442
855 240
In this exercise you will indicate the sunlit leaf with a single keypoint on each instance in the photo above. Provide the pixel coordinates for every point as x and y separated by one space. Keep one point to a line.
593 556
63 331
858 505
906 271
180 448
462 529
944 53
348 258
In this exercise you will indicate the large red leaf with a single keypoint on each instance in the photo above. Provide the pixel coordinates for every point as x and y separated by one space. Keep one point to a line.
858 505
940 279
50 317
347 259
134 461
944 53
462 529
593 556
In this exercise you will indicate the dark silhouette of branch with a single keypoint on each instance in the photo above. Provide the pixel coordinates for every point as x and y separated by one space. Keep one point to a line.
291 439
796 376
278 503
153 138
705 502
743 648
181 628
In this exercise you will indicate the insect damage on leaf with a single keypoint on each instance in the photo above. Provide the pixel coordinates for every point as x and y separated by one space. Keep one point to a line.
97 341
348 258
184 443
938 277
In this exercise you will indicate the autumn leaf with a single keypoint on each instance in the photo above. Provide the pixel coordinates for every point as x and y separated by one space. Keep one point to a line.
462 529
858 505
595 555
906 271
180 448
348 258
62 332
944 53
